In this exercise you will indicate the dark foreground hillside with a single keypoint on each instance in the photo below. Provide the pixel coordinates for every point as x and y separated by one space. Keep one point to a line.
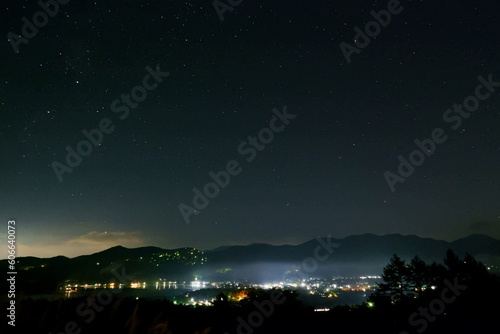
458 297
469 315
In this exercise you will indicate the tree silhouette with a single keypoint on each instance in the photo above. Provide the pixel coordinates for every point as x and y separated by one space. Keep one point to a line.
221 300
395 276
452 262
418 276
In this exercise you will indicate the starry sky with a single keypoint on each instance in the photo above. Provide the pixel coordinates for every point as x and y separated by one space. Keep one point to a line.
323 174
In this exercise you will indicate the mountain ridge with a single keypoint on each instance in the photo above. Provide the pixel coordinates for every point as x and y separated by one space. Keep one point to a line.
476 237
355 255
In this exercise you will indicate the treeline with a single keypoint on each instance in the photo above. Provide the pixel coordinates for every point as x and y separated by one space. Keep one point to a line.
417 279
458 296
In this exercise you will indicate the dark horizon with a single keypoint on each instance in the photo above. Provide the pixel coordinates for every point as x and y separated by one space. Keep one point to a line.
261 243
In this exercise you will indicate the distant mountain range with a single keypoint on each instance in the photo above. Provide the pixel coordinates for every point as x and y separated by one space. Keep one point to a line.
362 248
355 255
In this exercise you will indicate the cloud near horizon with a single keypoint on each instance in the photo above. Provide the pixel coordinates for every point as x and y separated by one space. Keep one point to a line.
88 243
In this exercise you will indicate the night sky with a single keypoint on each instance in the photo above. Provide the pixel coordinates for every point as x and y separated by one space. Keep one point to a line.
322 174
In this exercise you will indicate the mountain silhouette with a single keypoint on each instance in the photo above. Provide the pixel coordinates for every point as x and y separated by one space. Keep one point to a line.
364 254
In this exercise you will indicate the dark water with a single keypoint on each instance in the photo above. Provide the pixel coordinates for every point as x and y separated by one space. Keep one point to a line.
183 295
148 293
